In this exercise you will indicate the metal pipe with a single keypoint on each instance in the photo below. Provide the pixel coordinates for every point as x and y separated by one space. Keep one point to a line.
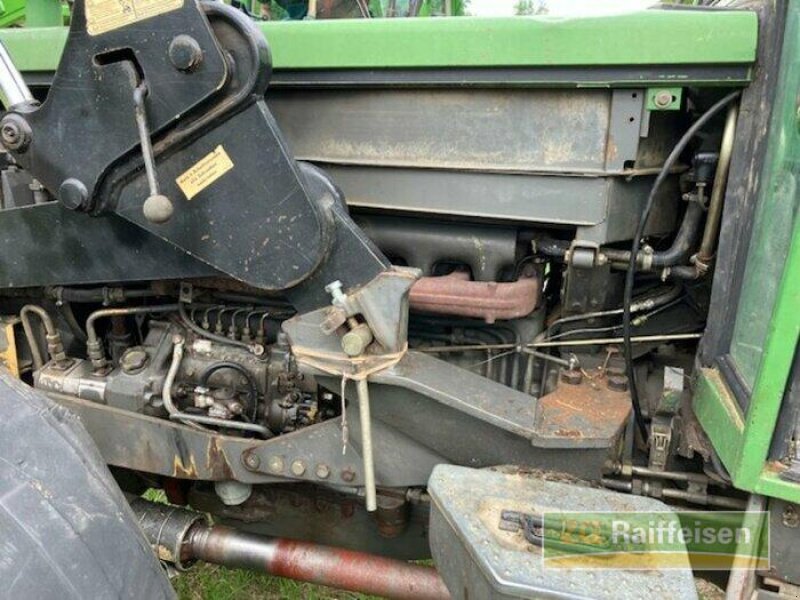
94 345
139 95
13 89
180 536
706 252
172 372
55 347
321 565
91 333
203 420
639 339
33 344
362 388
256 349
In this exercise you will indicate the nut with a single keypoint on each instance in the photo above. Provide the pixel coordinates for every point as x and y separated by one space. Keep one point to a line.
298 468
323 471
348 475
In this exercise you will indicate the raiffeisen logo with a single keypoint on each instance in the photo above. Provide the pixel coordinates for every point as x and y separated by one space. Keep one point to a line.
659 540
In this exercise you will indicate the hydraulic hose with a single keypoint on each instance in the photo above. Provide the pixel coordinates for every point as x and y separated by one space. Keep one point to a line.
636 245
676 254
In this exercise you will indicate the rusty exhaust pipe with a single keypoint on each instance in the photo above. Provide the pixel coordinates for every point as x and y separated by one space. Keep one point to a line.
181 536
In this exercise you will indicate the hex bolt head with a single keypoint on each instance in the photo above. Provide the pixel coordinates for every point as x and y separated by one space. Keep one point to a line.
298 468
571 376
348 475
617 383
252 460
185 53
158 209
275 464
72 194
323 471
662 99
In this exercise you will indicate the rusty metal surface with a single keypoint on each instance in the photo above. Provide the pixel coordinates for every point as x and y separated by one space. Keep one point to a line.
321 515
323 565
456 294
588 413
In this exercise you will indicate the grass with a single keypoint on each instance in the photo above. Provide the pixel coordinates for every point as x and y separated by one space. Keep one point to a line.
212 582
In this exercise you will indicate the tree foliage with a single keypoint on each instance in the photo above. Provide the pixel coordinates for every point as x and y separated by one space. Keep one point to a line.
530 7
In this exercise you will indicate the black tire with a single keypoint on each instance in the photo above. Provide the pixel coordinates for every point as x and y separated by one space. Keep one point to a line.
66 530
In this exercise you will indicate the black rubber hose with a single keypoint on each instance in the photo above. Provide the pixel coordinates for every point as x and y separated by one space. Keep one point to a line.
636 245
681 246
552 248
252 386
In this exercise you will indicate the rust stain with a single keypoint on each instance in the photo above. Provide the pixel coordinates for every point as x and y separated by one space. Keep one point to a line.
588 410
573 433
216 462
183 471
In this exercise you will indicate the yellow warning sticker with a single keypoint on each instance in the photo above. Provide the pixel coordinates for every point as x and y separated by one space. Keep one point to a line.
108 15
205 172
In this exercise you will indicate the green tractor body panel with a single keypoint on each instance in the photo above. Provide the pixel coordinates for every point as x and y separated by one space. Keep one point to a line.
681 39
765 334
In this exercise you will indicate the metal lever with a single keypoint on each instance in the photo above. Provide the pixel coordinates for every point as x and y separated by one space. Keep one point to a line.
157 208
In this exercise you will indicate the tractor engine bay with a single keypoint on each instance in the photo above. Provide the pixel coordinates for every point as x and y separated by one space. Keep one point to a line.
354 298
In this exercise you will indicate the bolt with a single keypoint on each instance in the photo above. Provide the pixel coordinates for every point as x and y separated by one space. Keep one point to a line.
252 461
15 132
185 53
73 194
791 518
10 134
348 475
334 288
571 376
276 464
663 99
298 468
133 360
617 383
323 471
